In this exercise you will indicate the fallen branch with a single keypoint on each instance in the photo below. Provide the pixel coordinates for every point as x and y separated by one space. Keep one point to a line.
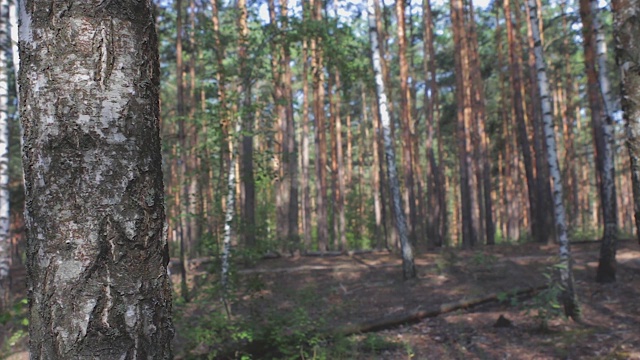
415 316
335 268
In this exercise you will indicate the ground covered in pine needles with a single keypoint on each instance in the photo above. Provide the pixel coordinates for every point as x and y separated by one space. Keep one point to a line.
488 303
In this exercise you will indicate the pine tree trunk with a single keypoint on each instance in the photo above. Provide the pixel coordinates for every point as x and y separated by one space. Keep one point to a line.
247 182
594 96
341 237
406 121
465 149
521 127
569 297
97 251
408 265
304 142
321 137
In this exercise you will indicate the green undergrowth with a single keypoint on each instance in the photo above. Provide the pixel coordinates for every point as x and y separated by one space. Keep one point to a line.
257 327
14 323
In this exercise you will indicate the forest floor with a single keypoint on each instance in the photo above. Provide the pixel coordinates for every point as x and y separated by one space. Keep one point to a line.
340 291
303 305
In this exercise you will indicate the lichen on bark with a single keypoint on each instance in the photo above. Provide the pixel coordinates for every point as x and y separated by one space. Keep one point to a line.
89 83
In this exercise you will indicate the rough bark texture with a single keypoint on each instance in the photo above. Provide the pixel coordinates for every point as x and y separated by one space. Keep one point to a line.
627 28
5 253
408 265
463 131
97 254
569 298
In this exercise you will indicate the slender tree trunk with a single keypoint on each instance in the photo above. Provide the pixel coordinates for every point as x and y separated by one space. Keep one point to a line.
465 149
569 297
434 177
379 230
339 170
607 262
230 210
406 121
543 188
484 165
408 265
290 137
246 114
626 25
321 138
594 95
306 192
97 250
184 232
5 235
517 100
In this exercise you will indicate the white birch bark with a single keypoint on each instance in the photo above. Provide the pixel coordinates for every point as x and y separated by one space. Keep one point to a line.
5 256
569 298
607 264
408 265
94 210
230 211
13 25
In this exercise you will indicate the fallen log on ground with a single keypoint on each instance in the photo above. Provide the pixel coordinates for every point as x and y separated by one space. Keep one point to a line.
395 320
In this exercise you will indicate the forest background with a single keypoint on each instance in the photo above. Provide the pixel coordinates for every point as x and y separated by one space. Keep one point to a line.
273 144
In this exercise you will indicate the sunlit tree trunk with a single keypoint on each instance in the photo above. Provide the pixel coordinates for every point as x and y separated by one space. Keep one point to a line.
406 121
544 233
338 168
304 142
97 250
569 297
184 232
321 138
521 127
408 265
375 174
435 181
484 164
607 263
465 148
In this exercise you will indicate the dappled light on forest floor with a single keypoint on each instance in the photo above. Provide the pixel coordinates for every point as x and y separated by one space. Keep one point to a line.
310 300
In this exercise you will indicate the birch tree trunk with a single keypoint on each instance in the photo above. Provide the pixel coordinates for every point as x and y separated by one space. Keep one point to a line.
5 236
569 298
97 251
607 262
408 265
626 28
